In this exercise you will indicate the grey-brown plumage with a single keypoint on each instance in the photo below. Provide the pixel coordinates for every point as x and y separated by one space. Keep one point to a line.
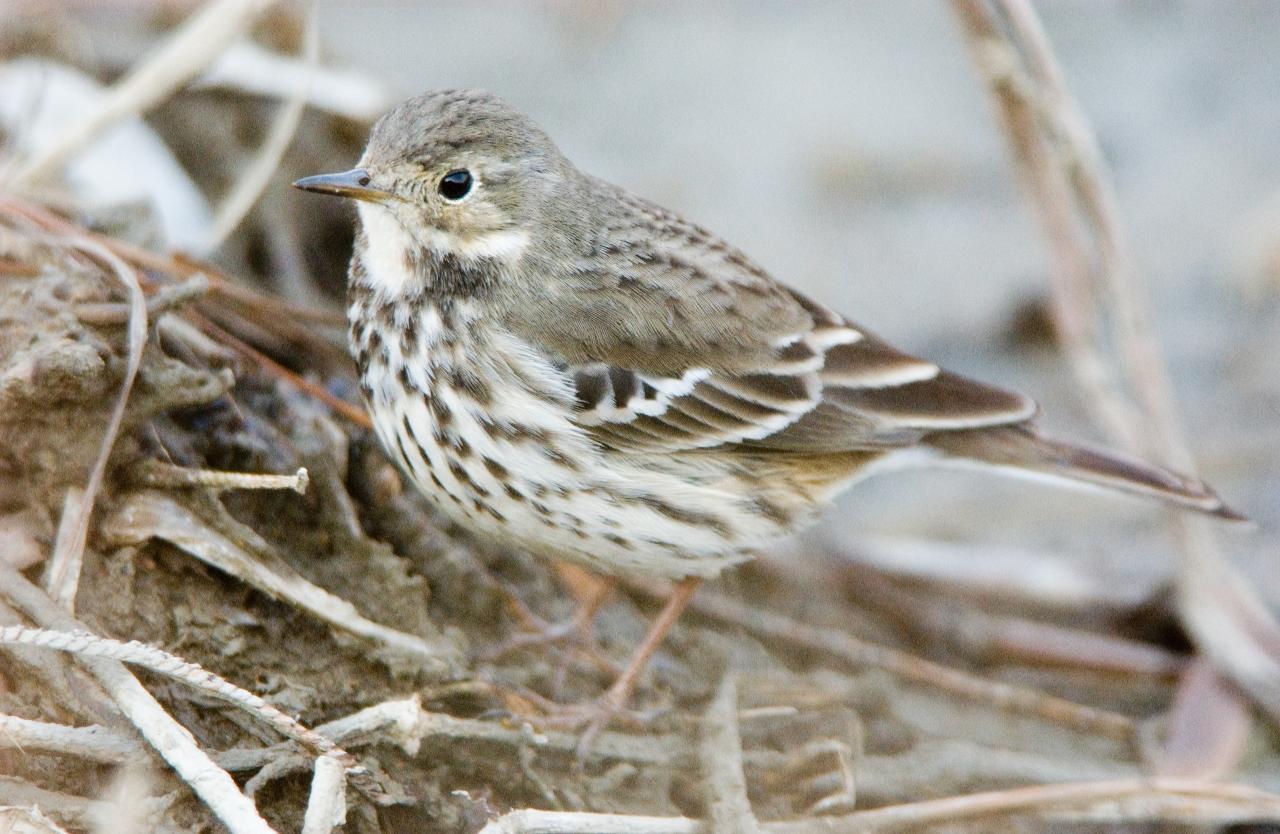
567 366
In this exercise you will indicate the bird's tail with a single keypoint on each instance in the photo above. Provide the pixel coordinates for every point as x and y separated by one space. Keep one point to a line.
1024 452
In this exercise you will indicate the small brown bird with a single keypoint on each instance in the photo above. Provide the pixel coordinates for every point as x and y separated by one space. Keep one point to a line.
576 371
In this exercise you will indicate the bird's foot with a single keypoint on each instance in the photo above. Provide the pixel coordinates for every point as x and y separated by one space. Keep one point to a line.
592 718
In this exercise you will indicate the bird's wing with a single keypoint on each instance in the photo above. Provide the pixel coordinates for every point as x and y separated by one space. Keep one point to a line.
835 388
674 340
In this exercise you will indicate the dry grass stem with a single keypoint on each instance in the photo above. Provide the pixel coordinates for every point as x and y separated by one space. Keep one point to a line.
1174 795
62 573
69 555
861 654
1166 800
406 725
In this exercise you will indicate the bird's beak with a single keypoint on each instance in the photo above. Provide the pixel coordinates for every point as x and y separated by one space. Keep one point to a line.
354 184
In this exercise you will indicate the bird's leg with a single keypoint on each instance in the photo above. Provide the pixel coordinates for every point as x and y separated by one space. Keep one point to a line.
619 694
597 714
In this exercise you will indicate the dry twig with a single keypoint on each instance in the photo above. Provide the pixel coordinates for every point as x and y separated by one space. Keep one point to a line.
327 805
158 473
94 743
1162 799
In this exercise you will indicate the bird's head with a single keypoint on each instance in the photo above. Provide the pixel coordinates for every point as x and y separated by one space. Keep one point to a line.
457 173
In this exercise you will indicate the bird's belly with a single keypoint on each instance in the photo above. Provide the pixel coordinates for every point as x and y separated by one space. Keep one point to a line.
507 462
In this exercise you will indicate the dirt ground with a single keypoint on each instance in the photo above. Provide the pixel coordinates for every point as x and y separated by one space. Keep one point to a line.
940 635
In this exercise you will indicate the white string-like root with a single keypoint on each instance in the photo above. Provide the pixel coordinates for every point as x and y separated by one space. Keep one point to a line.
162 663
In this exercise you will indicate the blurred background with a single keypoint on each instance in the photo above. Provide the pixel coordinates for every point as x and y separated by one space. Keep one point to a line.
851 149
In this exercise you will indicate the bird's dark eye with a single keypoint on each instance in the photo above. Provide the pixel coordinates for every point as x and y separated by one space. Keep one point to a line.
455 185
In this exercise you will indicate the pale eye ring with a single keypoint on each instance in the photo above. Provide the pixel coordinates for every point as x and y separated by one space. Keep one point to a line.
456 184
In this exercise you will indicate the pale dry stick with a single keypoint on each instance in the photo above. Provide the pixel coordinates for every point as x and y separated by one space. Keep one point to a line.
187 52
721 753
158 473
64 573
86 644
327 805
530 821
775 626
249 187
170 739
94 743
76 811
1225 618
146 514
